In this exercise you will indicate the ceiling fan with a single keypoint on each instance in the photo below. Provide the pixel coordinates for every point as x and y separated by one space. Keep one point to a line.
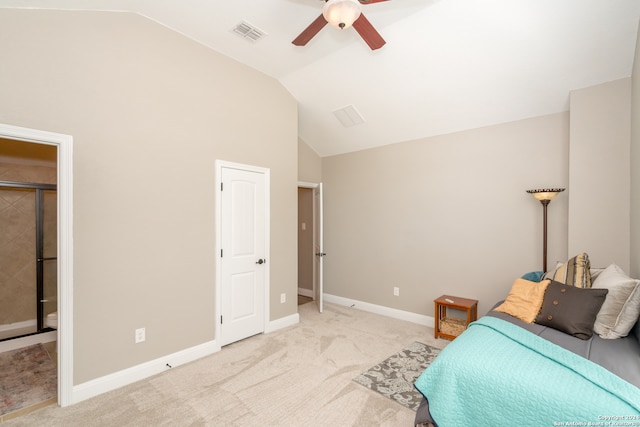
342 14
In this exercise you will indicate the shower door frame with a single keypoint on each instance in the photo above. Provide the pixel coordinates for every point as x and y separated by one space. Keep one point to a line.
64 144
39 190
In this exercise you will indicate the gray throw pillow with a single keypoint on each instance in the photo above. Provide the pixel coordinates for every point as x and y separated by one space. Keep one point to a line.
571 310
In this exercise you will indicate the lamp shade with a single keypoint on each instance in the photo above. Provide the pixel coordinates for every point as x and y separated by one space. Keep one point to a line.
341 13
545 193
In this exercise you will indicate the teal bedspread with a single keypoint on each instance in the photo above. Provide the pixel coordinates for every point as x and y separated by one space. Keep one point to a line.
498 374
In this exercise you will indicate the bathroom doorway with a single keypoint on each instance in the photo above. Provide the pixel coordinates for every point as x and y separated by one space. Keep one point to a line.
64 182
28 274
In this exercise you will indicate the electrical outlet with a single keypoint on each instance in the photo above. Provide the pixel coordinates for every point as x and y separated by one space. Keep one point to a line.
283 298
140 335
396 291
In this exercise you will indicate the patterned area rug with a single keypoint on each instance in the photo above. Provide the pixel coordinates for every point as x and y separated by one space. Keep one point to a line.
395 376
28 376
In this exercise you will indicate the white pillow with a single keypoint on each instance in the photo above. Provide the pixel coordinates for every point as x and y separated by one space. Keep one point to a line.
595 272
621 308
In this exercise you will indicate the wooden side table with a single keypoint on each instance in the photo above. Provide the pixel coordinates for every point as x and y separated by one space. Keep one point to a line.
450 302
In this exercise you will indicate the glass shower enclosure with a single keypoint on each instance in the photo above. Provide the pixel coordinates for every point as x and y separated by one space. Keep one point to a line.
28 259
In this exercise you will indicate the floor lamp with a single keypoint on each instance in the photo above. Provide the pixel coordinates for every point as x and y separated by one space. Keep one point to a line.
545 196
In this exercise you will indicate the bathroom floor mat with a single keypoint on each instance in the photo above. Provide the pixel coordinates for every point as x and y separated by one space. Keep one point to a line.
28 376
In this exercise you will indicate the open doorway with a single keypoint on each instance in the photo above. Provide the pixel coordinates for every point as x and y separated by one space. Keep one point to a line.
64 249
28 283
305 245
310 244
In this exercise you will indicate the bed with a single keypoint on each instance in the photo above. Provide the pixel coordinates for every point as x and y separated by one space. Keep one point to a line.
551 353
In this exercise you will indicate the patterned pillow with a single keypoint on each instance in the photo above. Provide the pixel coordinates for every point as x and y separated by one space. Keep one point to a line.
621 308
524 299
574 272
571 310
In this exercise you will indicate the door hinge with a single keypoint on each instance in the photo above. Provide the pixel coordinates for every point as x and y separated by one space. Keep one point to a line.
221 320
222 186
221 253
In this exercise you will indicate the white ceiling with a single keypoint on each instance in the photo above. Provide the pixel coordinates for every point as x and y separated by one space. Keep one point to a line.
448 65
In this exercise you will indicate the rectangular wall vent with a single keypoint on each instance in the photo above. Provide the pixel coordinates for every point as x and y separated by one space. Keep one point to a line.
349 116
248 31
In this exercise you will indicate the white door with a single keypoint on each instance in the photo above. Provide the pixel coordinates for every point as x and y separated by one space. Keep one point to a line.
243 249
319 246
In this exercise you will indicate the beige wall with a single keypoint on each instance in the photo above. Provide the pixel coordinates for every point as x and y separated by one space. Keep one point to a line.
635 164
150 111
309 164
599 179
444 215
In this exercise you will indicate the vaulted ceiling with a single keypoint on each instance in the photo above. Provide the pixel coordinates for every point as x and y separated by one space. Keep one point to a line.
447 66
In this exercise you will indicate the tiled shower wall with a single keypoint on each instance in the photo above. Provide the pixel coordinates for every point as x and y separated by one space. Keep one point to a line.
18 243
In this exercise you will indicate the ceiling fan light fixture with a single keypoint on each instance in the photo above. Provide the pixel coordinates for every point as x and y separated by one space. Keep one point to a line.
341 14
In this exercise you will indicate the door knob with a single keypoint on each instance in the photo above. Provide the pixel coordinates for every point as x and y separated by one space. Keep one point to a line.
261 261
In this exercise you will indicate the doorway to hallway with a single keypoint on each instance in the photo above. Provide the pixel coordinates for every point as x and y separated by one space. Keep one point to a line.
310 243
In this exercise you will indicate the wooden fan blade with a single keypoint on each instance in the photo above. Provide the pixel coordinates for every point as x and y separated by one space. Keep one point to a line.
368 33
310 31
370 1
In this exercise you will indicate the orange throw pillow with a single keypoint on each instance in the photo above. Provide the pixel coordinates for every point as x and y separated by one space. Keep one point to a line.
524 300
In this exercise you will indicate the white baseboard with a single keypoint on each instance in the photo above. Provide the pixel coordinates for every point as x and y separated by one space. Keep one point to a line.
305 292
130 375
145 370
283 322
408 316
139 372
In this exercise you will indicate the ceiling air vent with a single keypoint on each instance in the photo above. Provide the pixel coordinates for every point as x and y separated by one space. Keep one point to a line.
248 31
349 116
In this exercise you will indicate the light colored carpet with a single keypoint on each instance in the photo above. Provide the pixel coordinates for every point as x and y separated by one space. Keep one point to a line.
394 376
298 376
28 376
